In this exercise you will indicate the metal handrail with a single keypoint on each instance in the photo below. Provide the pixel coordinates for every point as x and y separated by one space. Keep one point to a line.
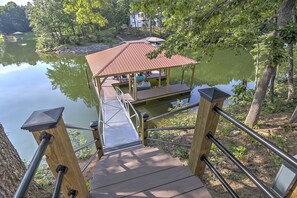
61 170
84 146
127 104
166 142
23 187
219 176
250 175
171 128
173 112
85 166
69 126
288 158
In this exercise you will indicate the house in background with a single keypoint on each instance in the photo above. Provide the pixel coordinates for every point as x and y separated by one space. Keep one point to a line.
139 18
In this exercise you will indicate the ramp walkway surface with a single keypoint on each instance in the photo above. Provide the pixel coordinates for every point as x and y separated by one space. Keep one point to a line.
118 129
144 172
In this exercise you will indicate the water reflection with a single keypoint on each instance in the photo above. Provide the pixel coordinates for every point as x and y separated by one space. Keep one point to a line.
70 74
21 51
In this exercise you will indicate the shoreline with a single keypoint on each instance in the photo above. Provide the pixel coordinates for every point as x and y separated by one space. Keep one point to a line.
79 49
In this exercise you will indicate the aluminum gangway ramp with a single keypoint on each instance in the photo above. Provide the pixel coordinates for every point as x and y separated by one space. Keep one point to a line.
118 131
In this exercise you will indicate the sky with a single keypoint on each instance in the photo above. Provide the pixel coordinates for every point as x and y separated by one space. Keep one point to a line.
19 2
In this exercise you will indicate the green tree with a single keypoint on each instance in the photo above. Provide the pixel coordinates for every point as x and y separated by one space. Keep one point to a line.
13 19
208 25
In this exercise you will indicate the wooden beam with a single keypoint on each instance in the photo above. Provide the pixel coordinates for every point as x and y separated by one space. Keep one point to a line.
182 78
168 80
135 87
206 122
97 136
130 84
192 78
160 77
60 152
104 79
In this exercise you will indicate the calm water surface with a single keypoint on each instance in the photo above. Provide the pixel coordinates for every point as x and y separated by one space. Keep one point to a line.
30 82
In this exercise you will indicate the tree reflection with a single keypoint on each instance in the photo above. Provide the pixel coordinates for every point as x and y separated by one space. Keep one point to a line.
21 51
68 73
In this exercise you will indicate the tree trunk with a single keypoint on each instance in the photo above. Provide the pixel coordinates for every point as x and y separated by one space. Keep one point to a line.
259 96
290 73
12 170
271 88
284 16
151 27
294 116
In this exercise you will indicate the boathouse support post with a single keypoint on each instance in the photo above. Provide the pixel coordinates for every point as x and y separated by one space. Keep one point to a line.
60 150
143 127
182 77
135 87
98 85
160 77
130 85
97 136
168 80
192 78
206 122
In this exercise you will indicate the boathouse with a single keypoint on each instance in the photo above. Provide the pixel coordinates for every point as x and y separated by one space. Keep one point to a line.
130 59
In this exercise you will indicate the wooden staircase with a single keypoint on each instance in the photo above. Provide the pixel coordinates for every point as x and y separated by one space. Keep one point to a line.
144 172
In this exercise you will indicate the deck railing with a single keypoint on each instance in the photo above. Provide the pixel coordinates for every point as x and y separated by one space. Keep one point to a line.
210 108
128 107
49 131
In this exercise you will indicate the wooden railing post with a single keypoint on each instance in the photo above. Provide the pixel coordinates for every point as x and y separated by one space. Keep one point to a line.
97 136
207 121
60 151
143 127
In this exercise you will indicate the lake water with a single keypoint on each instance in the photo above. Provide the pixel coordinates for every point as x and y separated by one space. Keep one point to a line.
30 82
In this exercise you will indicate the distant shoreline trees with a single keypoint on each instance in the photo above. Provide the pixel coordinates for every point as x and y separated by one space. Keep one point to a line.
13 18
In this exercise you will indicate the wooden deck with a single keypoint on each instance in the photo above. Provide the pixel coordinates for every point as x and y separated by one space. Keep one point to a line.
144 172
161 92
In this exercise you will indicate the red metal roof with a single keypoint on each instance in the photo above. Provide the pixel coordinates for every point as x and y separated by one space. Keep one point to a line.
131 57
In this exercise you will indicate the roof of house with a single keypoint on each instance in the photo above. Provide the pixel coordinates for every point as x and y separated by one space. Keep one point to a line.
131 57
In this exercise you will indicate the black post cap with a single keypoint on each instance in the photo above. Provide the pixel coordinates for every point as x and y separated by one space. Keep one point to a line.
94 124
43 119
213 94
145 115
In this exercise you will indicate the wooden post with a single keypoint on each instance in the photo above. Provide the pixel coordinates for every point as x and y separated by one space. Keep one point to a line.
168 80
98 85
182 78
206 122
60 151
97 136
192 78
160 77
293 192
143 126
135 87
130 84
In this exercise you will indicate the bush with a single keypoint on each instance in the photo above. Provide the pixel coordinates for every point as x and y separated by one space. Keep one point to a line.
106 36
242 94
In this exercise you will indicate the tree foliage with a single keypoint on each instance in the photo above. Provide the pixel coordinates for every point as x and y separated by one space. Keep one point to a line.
13 19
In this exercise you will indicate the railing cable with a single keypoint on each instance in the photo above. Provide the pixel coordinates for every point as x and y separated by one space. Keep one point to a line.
291 160
69 126
250 175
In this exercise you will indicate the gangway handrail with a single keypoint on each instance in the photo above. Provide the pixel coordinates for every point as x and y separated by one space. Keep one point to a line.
127 104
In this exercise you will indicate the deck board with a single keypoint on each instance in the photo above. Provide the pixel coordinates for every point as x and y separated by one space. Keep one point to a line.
144 172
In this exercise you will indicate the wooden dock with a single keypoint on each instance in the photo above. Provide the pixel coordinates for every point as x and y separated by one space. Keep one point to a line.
144 172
